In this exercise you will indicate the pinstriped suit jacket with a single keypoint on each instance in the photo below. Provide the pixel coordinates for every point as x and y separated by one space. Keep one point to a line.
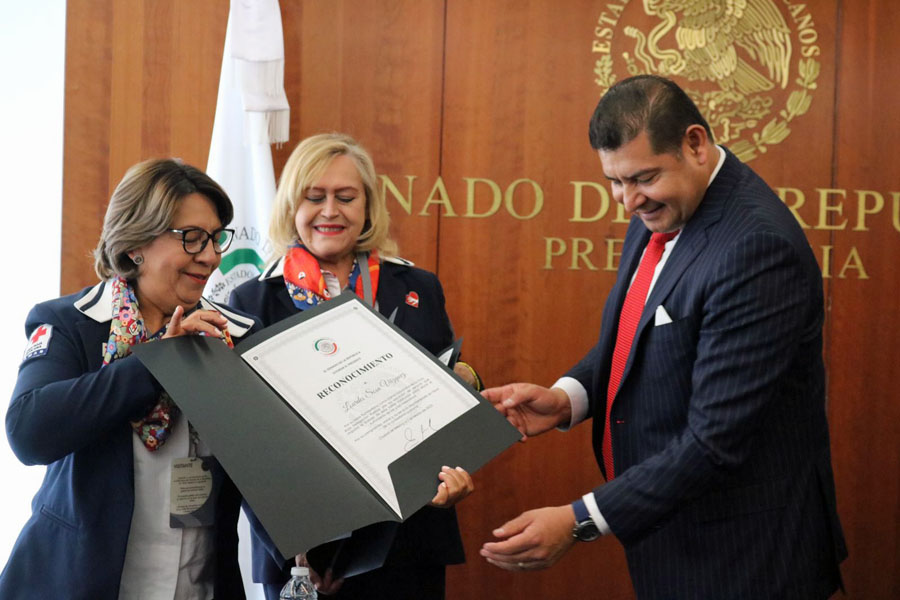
724 486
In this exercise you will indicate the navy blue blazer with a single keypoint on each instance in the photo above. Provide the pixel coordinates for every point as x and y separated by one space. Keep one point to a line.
71 415
431 535
724 486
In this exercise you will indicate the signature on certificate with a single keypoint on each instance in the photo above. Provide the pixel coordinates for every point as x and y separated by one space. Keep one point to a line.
416 433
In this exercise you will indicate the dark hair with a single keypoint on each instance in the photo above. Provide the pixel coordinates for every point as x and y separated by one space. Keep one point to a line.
142 208
644 103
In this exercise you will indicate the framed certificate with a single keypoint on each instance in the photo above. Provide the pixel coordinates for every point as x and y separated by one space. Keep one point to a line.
330 420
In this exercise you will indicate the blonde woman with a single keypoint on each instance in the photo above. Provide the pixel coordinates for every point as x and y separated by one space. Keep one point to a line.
329 229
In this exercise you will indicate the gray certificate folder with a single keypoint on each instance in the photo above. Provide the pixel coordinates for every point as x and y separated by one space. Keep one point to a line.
302 491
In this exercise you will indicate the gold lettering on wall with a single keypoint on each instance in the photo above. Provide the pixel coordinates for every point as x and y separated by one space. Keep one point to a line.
524 199
470 197
443 199
405 202
578 202
553 247
612 255
581 247
853 262
826 207
863 209
621 217
509 198
895 196
826 262
579 250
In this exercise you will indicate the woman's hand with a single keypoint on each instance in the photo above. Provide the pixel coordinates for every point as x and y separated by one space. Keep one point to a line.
468 374
455 485
209 322
328 584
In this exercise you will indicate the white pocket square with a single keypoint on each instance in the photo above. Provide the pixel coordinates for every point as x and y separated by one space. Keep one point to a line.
662 317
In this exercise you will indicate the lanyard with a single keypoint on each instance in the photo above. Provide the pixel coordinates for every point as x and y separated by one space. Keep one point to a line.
362 260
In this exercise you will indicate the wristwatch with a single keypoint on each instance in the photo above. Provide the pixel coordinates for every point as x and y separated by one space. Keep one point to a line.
585 530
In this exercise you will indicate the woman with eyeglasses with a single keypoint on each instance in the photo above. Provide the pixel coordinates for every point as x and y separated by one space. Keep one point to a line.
329 231
132 504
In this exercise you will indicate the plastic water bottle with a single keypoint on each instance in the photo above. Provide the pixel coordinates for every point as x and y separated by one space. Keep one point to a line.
299 587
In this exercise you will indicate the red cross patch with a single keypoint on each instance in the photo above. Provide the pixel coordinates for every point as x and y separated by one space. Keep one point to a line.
412 299
38 342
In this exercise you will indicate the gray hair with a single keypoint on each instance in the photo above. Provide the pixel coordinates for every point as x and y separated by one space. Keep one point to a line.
142 208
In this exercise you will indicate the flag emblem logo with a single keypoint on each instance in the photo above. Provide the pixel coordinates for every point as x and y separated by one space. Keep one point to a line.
412 299
326 346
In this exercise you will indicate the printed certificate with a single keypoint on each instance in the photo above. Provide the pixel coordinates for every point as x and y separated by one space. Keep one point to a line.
362 385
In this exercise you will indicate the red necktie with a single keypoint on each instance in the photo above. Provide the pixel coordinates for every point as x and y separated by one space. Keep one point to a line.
628 323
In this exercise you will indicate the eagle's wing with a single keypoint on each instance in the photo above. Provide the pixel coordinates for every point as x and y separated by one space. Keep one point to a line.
705 37
709 33
762 32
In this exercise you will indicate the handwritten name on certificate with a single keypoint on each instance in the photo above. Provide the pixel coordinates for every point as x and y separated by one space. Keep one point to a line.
365 388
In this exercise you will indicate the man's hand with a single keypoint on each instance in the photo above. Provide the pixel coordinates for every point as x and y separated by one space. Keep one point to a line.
534 540
530 408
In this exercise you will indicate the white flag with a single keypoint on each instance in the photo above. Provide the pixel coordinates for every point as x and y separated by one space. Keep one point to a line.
252 112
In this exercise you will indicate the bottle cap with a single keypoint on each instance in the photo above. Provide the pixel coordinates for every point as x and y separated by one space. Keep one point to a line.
300 571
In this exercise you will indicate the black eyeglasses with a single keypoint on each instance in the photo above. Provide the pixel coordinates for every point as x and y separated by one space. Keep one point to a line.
194 239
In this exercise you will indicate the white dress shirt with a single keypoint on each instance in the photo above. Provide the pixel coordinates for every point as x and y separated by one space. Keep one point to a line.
161 562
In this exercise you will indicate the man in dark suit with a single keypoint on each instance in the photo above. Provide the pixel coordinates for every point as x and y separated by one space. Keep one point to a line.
706 387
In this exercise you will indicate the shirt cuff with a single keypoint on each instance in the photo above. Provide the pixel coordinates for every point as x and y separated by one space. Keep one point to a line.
577 399
591 503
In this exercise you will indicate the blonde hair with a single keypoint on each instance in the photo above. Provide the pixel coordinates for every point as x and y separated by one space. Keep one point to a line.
142 208
307 163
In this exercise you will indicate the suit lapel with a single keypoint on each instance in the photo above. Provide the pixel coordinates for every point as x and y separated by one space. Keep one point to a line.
273 276
693 240
391 295
93 336
635 241
286 303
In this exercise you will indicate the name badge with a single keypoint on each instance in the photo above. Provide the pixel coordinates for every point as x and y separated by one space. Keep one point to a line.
194 490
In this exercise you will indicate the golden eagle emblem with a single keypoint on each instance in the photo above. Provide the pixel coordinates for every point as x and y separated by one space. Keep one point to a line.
733 57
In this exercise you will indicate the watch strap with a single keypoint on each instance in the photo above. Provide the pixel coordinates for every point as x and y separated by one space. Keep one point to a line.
581 511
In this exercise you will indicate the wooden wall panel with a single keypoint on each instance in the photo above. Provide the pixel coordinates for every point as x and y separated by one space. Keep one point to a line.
366 70
862 365
517 106
499 92
86 150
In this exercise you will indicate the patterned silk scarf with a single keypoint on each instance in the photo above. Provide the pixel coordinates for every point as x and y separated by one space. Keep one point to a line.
126 330
304 281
